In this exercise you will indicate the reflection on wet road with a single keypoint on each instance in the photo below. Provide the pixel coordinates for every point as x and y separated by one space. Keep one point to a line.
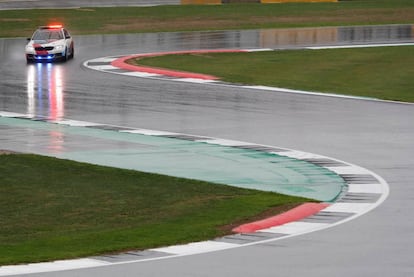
43 89
45 86
335 35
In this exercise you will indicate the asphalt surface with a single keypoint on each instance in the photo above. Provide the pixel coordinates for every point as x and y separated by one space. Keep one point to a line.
378 136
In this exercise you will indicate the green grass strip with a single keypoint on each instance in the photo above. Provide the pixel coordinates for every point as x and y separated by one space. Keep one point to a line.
54 209
21 23
383 72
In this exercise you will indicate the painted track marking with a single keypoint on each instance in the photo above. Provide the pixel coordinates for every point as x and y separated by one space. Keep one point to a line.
117 65
350 204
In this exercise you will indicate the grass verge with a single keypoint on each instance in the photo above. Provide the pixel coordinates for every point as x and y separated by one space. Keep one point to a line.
21 23
54 209
383 72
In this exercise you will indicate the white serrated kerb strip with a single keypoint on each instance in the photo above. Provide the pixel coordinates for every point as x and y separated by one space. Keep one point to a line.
294 228
103 60
349 207
300 155
141 74
366 188
348 170
50 266
195 248
104 67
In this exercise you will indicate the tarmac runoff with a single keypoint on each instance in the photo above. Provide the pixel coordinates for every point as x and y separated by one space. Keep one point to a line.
345 190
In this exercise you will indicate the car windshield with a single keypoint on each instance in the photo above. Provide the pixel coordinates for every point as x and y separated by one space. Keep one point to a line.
48 35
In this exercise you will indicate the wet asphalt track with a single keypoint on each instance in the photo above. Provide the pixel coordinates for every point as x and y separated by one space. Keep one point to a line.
378 136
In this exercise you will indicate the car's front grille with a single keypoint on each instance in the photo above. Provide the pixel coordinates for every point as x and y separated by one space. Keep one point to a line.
41 48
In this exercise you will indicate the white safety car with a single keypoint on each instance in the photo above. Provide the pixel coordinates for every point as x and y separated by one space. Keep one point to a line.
50 43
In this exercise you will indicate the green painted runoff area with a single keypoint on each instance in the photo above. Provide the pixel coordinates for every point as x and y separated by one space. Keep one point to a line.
182 158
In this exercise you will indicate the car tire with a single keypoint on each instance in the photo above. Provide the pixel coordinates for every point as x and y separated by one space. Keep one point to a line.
66 56
72 53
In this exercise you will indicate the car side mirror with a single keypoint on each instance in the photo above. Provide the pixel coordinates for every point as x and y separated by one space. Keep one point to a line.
28 39
67 37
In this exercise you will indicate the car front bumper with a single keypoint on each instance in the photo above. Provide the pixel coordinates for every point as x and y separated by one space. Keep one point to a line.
45 57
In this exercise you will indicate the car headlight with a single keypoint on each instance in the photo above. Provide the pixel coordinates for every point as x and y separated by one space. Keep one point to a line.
59 47
29 48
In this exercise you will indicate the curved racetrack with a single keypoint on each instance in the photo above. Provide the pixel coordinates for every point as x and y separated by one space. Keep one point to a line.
376 135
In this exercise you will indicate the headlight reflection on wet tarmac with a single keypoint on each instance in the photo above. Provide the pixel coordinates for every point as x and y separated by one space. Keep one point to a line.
45 87
45 96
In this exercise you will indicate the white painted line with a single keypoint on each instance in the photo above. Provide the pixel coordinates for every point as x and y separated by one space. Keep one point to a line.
263 88
225 142
259 50
366 188
50 266
10 114
358 46
304 92
194 80
297 227
76 123
195 248
149 132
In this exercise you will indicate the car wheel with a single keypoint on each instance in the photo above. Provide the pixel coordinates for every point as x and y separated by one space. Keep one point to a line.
66 56
72 53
